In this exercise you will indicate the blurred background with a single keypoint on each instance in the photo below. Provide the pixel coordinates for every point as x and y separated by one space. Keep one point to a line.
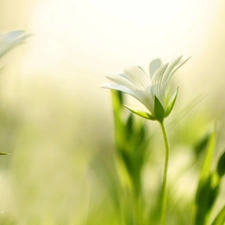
54 118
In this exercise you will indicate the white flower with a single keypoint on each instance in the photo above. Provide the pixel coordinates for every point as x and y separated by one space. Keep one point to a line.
10 40
151 90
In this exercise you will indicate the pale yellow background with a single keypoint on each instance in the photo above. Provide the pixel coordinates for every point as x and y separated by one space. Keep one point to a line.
82 41
52 84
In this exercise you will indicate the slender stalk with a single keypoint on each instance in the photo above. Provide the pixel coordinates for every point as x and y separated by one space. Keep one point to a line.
164 191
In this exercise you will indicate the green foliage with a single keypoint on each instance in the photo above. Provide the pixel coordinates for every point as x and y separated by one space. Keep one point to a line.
201 145
131 144
208 185
221 165
131 141
220 218
209 181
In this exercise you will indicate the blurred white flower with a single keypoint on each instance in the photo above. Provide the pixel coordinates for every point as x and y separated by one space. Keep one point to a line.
151 90
11 39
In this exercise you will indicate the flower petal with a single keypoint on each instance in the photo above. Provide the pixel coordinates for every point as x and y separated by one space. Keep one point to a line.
158 91
138 95
122 80
131 89
11 39
118 88
154 66
137 76
157 76
179 65
169 69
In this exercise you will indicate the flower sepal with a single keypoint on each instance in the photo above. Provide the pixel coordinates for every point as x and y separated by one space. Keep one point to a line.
159 110
171 103
141 113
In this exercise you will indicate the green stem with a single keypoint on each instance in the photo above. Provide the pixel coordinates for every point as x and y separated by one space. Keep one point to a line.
164 192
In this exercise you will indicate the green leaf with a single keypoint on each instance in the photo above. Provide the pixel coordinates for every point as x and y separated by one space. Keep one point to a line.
130 122
141 113
4 153
206 196
220 218
171 103
200 146
117 101
129 127
208 185
221 165
159 110
207 163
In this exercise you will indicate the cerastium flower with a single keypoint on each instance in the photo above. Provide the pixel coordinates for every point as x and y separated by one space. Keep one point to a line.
8 41
11 39
151 90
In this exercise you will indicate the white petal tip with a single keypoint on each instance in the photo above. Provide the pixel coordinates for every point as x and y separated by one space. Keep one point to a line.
103 85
